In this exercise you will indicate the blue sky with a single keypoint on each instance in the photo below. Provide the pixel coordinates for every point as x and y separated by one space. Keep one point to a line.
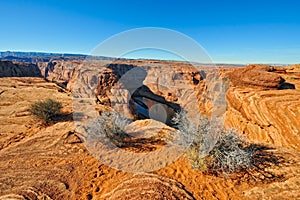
230 31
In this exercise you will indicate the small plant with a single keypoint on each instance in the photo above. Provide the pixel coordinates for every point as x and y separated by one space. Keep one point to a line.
109 125
212 147
46 110
230 154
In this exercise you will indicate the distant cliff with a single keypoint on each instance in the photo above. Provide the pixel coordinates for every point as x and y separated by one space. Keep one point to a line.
19 69
34 57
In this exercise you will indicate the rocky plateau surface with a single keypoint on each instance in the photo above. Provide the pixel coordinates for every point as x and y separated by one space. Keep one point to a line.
52 162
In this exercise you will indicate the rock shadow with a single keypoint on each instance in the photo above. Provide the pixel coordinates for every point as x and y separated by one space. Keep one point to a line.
61 117
286 86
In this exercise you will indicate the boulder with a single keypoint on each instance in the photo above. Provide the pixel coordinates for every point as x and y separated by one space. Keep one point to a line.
256 75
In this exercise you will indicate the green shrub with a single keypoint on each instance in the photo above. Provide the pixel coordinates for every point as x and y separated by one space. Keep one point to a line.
46 110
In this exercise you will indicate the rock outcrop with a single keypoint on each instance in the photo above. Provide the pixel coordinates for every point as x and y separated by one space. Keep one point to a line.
268 115
59 71
256 75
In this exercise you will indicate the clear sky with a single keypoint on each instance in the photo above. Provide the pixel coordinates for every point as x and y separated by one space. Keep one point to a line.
231 31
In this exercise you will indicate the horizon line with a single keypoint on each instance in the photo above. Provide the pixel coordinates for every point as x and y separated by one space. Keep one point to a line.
154 59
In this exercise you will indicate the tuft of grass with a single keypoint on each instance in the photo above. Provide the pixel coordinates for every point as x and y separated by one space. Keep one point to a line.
46 110
212 147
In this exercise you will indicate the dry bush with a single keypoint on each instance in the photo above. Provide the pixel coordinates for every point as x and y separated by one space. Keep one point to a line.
111 125
46 110
212 147
230 154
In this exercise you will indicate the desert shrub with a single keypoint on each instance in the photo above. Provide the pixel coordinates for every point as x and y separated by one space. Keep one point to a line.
211 146
199 134
230 154
46 110
110 125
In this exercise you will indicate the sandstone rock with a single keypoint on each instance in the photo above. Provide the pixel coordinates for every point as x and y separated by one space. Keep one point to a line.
59 71
265 115
149 186
256 75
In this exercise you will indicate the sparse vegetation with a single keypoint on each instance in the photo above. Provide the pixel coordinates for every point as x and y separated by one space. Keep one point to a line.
112 126
230 154
212 147
46 110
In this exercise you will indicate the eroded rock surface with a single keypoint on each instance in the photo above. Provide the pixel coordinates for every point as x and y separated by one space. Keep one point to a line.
267 115
51 162
149 186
